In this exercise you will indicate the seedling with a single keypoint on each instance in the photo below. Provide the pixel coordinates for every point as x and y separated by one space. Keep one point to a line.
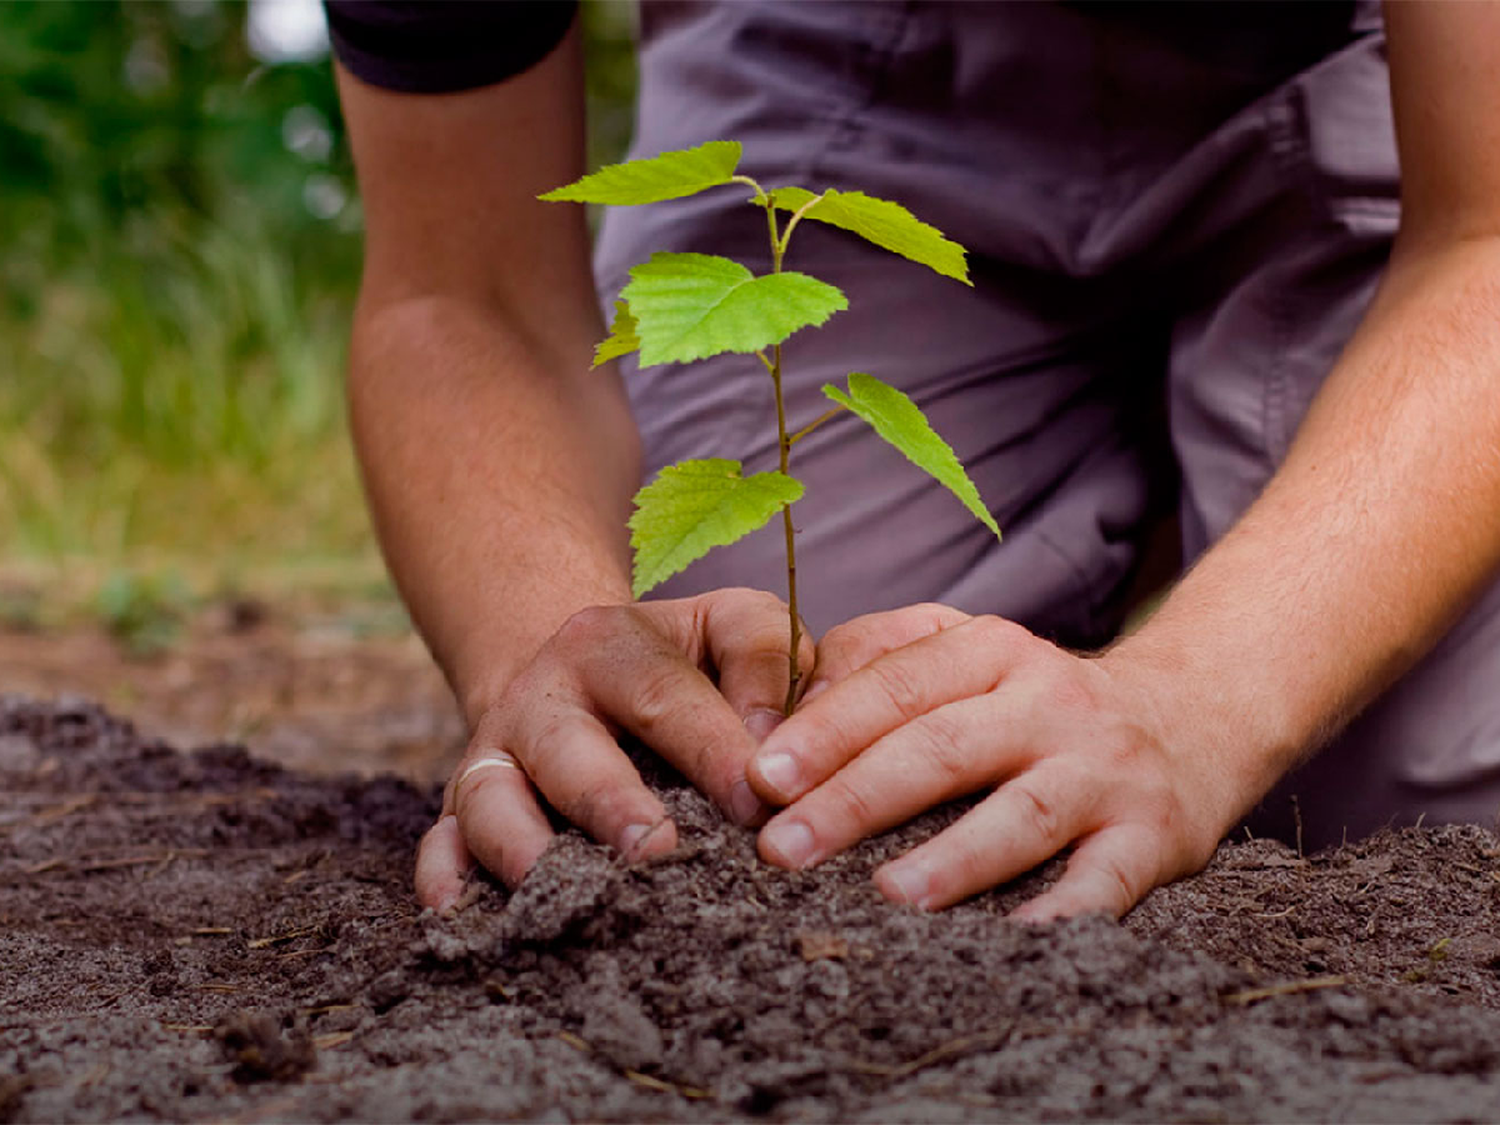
679 308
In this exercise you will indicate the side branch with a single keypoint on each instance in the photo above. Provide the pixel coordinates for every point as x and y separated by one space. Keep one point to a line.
791 224
814 424
760 192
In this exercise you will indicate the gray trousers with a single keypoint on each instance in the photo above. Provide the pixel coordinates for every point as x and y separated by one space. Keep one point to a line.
1176 217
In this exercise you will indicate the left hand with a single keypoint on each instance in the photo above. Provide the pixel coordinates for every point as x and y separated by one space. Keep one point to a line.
921 705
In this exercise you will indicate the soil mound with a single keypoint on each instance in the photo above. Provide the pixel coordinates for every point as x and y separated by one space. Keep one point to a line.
201 935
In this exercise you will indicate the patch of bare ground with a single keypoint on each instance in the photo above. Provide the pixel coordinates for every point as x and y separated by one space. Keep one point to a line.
202 935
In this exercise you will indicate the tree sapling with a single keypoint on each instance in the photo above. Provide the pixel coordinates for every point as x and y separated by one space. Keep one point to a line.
683 307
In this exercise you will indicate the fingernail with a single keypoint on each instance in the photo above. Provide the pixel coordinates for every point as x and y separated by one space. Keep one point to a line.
782 773
791 840
631 838
762 722
911 884
744 805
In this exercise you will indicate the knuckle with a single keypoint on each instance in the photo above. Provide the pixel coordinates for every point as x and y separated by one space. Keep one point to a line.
900 685
595 803
590 625
528 686
937 611
824 741
762 600
541 749
657 698
943 744
1041 814
854 806
838 636
999 632
937 617
763 677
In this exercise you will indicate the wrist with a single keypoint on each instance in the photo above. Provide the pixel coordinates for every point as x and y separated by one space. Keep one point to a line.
1228 727
483 671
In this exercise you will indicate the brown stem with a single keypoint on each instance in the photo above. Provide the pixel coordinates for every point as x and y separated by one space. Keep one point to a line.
794 675
814 424
784 444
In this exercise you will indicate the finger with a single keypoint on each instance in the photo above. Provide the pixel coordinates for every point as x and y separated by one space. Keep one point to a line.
574 760
850 646
1109 873
1022 824
934 758
645 684
969 659
748 635
443 865
498 817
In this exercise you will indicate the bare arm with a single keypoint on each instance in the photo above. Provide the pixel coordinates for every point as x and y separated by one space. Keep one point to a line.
1395 473
1375 533
500 469
499 466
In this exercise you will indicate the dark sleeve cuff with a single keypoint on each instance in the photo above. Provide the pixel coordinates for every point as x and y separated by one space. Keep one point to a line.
443 46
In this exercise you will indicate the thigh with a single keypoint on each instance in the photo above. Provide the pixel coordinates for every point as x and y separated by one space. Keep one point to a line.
1053 449
1029 374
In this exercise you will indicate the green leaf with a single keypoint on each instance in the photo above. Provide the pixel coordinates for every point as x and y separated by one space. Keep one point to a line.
695 506
901 422
621 340
886 224
691 306
668 176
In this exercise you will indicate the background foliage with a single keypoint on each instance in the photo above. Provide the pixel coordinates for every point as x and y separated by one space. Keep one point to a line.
181 240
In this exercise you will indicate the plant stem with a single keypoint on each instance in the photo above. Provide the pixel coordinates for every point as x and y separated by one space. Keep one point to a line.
791 224
794 675
784 445
814 424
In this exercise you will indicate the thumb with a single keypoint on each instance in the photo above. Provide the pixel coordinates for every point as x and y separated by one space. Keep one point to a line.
747 634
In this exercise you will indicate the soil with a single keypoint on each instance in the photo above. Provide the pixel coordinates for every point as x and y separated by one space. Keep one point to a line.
340 686
208 936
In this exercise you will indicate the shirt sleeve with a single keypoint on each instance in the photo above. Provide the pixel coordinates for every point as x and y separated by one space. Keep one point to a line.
443 46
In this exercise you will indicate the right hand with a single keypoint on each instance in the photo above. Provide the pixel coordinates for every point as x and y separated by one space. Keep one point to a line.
644 669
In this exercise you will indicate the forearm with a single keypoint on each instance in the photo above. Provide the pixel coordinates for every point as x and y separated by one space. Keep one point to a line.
499 478
1376 532
499 465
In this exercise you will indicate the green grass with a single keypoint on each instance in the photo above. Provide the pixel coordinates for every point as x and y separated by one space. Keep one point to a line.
175 402
174 320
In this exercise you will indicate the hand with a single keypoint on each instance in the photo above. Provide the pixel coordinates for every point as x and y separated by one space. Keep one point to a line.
921 705
552 735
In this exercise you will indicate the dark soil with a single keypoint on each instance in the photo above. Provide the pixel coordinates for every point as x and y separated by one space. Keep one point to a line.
316 687
204 936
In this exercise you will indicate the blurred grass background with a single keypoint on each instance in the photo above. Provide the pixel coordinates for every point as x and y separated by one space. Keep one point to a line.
179 254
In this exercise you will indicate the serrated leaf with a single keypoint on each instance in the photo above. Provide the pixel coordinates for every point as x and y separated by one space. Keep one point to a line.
621 340
695 506
886 224
691 306
668 176
900 421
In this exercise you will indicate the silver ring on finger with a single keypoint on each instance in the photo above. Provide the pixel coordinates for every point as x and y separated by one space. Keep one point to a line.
494 759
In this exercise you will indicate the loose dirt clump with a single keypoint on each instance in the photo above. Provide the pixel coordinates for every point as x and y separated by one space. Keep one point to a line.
202 935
